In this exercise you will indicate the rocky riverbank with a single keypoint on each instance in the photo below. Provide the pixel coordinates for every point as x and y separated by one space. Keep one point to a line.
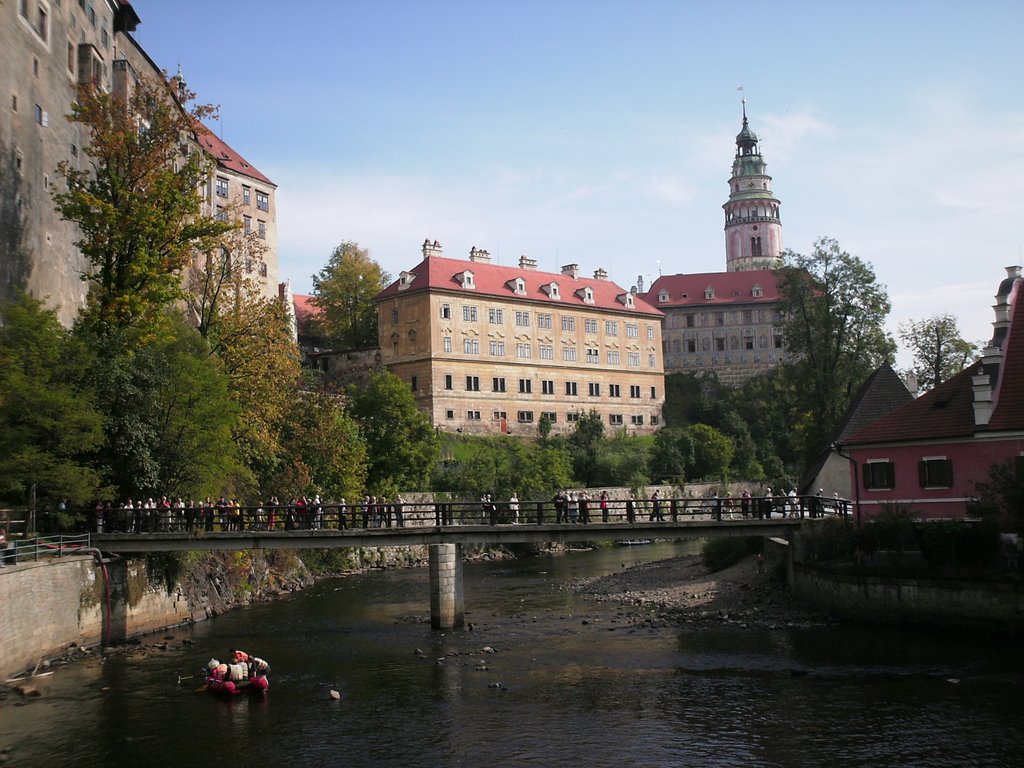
681 592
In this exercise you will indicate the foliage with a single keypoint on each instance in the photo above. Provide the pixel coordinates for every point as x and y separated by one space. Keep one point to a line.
712 453
892 530
401 444
584 442
343 292
252 338
220 278
139 204
939 350
959 544
325 439
835 310
623 460
49 425
671 454
168 415
500 465
719 554
1002 495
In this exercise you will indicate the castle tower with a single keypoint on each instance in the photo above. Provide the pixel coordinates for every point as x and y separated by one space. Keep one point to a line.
753 230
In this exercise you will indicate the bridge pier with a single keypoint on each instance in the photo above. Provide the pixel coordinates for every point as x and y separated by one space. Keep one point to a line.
447 610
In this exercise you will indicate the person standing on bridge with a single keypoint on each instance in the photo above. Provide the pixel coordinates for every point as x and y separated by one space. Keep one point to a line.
399 512
560 506
631 508
513 508
656 514
604 506
584 508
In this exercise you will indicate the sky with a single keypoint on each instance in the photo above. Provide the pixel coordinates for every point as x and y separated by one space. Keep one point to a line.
603 133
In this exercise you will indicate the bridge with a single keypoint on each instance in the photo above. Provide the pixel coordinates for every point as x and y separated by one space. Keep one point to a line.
445 528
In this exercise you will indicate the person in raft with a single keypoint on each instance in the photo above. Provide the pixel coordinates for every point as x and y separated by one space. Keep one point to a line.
243 672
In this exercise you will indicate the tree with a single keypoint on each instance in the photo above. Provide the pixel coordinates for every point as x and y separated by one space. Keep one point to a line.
400 440
584 444
49 426
343 292
139 205
939 350
834 311
1001 495
252 338
712 452
326 441
168 415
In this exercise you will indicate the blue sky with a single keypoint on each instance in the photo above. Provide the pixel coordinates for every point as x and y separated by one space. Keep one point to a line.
603 133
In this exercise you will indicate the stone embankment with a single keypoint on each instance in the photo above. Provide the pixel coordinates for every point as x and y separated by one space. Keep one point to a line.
680 592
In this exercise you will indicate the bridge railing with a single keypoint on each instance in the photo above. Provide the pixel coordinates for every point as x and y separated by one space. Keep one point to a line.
291 517
40 547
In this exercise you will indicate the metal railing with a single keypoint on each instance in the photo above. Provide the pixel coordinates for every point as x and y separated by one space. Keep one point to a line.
293 517
41 547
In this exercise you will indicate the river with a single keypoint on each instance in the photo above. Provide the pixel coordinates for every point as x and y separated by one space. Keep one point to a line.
570 682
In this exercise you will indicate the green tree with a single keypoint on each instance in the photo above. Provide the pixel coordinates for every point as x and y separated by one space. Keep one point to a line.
168 415
1001 495
326 441
671 454
834 311
584 444
49 426
401 443
138 204
343 291
251 337
712 452
939 350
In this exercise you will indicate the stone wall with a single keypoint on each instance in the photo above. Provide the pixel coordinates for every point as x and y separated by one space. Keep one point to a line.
966 604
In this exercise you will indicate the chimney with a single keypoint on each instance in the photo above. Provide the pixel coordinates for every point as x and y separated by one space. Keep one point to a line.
600 274
431 248
571 270
525 262
479 255
911 383
982 399
639 283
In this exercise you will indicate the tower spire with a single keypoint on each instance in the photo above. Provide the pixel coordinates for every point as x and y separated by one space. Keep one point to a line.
753 230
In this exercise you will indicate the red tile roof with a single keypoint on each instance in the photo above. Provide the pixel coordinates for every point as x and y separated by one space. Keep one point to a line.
225 156
1008 412
729 288
944 412
439 273
305 309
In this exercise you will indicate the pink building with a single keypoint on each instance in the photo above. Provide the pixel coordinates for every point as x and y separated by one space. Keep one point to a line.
930 454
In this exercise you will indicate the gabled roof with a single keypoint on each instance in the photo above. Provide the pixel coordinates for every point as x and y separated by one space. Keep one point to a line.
226 157
945 412
438 273
880 394
728 287
305 309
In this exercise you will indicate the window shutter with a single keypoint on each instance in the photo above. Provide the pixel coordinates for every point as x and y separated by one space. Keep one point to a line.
922 473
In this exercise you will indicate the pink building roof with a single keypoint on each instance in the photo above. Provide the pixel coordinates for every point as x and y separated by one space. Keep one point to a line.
305 308
443 274
728 287
948 410
227 157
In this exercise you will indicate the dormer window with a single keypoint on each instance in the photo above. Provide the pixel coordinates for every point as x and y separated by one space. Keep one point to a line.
663 297
551 289
405 280
626 299
586 294
709 293
466 279
518 286
757 292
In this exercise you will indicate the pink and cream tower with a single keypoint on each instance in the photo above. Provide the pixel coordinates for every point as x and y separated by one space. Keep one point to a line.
753 230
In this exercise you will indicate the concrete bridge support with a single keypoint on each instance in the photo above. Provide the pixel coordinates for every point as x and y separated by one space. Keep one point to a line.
447 608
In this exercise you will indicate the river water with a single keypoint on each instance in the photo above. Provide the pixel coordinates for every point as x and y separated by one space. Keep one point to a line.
570 682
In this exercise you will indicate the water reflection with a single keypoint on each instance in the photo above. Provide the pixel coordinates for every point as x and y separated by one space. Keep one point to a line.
571 681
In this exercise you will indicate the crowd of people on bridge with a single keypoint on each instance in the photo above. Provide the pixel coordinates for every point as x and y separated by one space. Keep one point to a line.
371 511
